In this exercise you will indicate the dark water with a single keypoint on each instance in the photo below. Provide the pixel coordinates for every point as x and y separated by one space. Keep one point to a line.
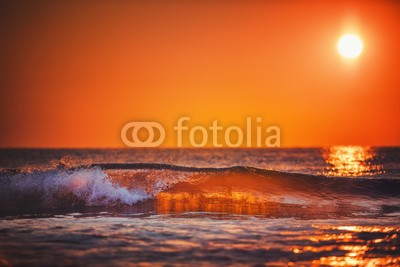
337 206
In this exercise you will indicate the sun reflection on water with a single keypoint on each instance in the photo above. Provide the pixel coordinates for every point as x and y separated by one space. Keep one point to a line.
356 251
351 161
201 240
231 202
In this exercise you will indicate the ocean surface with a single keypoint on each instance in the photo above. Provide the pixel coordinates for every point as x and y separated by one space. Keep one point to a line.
333 206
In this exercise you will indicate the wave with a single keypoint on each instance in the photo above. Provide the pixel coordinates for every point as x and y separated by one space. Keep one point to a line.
172 188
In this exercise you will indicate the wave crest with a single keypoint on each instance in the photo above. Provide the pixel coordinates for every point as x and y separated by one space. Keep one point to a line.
180 188
61 188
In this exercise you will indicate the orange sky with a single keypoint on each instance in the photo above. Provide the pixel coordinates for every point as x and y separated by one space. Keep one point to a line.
72 73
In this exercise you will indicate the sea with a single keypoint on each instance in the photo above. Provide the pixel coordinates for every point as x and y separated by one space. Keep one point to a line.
328 206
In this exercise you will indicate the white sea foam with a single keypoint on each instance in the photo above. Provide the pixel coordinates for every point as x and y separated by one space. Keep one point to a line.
92 186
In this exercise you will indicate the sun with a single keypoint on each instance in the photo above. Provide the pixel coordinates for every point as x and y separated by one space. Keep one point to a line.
350 46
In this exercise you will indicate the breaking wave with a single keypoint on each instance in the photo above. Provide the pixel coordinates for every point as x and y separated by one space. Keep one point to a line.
179 188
